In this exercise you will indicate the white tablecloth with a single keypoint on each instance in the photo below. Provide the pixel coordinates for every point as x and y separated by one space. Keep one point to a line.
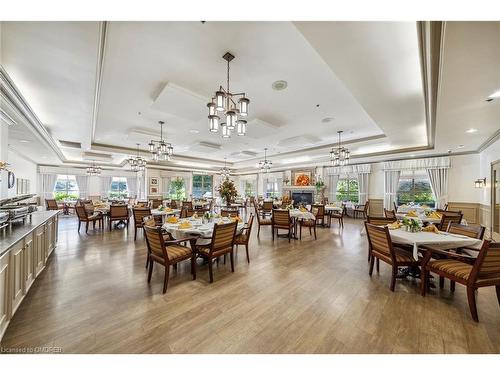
443 240
163 212
298 214
333 208
197 230
418 209
422 218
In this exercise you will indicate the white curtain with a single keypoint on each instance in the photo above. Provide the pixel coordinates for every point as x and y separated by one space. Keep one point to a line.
333 181
132 186
391 182
46 184
165 185
105 185
83 185
363 186
439 184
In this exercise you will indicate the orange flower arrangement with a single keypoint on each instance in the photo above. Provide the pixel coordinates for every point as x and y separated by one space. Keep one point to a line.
302 180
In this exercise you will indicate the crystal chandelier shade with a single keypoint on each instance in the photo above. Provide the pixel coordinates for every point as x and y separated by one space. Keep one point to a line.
161 150
340 155
225 107
265 165
225 172
137 163
94 170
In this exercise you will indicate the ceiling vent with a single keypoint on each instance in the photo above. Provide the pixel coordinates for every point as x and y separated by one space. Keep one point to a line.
69 144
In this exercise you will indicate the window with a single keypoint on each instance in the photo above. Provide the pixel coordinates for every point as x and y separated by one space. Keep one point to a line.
177 189
119 189
202 186
66 187
272 188
249 188
415 187
347 190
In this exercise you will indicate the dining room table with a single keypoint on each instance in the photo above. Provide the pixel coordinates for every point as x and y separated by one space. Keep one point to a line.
165 212
421 217
334 208
296 214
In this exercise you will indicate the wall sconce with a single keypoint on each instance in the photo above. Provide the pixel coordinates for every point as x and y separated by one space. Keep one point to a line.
480 182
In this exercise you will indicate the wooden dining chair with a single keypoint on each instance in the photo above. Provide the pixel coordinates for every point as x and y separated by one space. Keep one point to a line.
391 214
186 212
261 220
377 220
188 204
155 203
267 208
447 218
281 220
84 217
318 210
222 243
118 213
338 215
395 207
166 253
244 237
381 248
484 271
51 204
361 209
308 223
139 214
173 204
228 213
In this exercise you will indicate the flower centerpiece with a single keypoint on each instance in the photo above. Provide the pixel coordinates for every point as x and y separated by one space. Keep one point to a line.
227 191
412 225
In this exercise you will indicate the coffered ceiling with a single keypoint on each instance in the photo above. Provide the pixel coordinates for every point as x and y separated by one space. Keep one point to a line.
100 88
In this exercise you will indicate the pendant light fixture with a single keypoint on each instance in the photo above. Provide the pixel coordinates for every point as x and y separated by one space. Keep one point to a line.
339 156
265 165
137 163
161 150
225 172
224 104
94 170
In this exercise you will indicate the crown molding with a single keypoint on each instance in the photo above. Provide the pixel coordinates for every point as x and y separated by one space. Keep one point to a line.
101 50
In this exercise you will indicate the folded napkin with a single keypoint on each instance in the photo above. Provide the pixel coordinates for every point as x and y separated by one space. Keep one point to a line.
168 209
412 214
185 225
303 209
395 225
172 220
237 218
430 228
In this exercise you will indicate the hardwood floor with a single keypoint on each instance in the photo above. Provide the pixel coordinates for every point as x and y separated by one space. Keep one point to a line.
304 297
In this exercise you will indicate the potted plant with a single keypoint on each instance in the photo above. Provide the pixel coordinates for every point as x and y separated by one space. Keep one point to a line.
227 191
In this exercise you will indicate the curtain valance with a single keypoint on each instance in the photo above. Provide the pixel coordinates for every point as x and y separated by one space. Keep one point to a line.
349 169
415 164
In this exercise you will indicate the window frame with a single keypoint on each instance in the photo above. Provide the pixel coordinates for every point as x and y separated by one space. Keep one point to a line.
412 176
118 194
66 193
348 193
204 188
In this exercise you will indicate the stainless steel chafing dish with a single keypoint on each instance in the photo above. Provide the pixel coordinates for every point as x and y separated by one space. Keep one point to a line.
12 209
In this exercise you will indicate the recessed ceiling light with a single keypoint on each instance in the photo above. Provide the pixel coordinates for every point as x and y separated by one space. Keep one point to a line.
24 141
471 130
194 131
327 119
279 85
460 146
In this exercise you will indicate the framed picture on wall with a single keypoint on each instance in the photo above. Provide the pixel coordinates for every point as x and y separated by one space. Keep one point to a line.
153 190
153 181
302 178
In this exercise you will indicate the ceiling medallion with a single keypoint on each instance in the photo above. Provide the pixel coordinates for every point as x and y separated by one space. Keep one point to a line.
223 104
161 150
94 170
225 172
265 165
137 163
339 156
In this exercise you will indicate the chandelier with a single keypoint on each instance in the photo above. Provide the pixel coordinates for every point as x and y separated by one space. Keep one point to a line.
160 150
265 165
224 104
225 172
94 170
137 163
339 156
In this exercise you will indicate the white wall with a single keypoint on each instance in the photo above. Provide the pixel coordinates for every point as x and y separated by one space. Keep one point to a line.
488 156
462 174
22 168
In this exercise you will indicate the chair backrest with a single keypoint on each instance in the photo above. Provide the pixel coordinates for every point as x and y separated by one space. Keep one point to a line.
228 213
223 236
367 205
149 221
395 206
281 217
487 265
51 204
446 206
118 211
379 239
378 220
390 214
155 203
249 226
447 218
318 210
187 204
95 198
173 204
81 212
155 242
471 230
139 214
267 206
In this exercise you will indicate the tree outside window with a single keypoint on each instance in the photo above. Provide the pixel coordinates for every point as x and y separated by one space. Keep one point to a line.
202 186
415 188
177 191
249 188
347 190
119 188
66 188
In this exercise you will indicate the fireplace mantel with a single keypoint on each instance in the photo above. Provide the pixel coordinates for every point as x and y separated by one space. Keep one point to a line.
298 187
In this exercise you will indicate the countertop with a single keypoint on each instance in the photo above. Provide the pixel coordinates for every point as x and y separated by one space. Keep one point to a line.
10 237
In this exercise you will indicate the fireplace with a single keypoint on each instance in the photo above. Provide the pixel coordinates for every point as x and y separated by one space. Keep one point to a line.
304 197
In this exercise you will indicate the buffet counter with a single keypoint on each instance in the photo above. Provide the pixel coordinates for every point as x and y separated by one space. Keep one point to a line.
24 251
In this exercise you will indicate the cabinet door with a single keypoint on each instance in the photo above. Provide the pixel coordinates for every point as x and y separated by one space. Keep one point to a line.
4 293
17 276
29 262
50 236
39 249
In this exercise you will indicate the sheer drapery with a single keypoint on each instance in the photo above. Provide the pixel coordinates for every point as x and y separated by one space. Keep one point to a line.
46 184
83 185
391 184
363 186
132 186
165 186
105 185
438 178
333 181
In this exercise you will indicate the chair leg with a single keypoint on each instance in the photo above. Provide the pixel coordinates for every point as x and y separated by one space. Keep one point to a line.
258 231
452 285
315 233
193 266
165 279
300 232
424 274
79 225
147 259
441 282
150 269
273 232
135 232
231 258
93 224
87 227
393 277
210 270
378 265
471 297
497 287
248 257
372 262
